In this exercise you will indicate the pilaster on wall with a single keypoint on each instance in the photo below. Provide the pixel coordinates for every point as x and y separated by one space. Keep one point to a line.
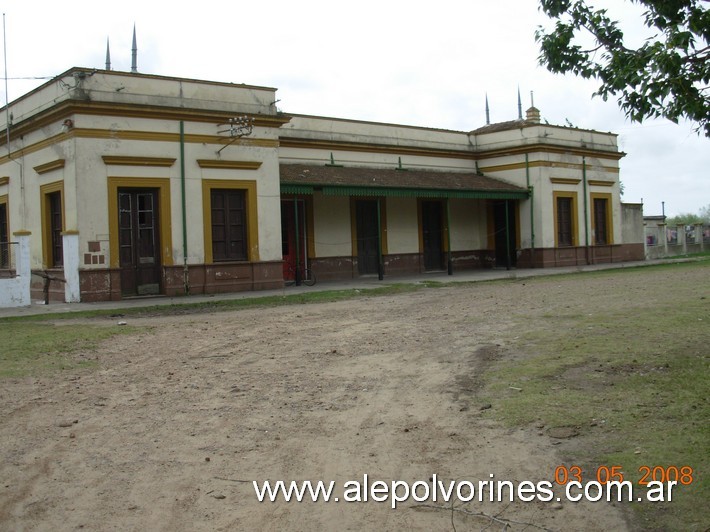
680 231
72 292
15 292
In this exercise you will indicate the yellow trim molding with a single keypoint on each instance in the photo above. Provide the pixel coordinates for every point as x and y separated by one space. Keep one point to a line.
156 136
163 186
4 180
551 148
543 164
564 181
228 165
609 217
48 167
136 135
44 192
249 186
326 145
138 161
574 215
600 183
73 107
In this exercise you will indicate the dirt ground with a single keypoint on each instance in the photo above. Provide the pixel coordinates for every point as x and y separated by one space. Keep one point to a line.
174 424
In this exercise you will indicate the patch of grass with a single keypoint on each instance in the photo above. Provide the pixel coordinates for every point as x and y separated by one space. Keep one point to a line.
633 380
315 296
699 255
218 305
32 349
34 345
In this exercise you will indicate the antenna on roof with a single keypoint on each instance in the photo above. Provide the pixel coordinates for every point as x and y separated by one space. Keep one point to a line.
532 101
134 54
488 112
108 56
520 106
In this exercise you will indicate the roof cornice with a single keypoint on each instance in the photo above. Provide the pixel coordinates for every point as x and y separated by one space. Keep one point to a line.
550 148
73 107
471 154
295 142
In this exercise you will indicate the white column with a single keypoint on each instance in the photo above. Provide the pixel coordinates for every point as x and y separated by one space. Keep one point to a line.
663 233
681 234
15 292
24 270
72 293
698 231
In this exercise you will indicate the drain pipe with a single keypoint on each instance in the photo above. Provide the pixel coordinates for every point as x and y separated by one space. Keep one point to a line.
185 270
586 208
531 190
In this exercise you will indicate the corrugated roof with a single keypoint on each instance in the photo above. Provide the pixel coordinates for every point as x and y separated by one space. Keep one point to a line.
427 182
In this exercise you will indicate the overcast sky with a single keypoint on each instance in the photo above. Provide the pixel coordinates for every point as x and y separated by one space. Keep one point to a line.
400 61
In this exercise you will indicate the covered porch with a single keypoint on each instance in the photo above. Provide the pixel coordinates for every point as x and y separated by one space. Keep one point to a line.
348 222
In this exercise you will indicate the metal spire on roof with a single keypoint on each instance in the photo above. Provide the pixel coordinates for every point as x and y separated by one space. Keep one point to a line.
488 112
108 56
134 50
520 106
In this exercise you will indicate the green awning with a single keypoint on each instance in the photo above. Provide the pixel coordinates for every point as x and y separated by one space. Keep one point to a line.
396 192
296 189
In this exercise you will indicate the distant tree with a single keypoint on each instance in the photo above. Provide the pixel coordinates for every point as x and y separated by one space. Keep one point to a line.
684 218
687 218
668 76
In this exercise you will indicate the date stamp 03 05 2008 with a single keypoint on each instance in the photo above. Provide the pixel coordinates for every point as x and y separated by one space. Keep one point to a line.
682 475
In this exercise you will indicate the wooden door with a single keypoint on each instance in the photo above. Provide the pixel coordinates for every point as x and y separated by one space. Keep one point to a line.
139 246
505 233
368 238
432 235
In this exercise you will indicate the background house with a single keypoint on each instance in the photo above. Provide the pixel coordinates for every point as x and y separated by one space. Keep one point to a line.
132 184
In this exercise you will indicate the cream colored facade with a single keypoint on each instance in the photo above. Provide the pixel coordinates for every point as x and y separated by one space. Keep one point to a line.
103 145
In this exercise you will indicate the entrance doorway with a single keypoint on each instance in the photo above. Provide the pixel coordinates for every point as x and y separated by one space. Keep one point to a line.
138 240
368 237
294 243
505 233
432 235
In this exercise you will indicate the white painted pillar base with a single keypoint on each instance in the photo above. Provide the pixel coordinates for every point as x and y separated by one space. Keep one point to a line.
15 292
72 293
